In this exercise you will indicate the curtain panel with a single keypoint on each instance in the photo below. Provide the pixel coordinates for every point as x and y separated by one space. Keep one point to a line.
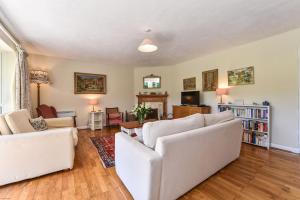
23 100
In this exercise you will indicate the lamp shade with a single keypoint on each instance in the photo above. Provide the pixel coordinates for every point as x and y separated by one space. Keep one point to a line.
93 102
147 46
38 76
222 91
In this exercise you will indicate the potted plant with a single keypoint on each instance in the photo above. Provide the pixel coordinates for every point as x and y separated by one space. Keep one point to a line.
141 111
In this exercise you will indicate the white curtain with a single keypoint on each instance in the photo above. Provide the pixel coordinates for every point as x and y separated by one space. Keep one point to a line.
23 100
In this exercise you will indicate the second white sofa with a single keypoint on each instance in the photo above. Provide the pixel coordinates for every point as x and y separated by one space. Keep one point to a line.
178 161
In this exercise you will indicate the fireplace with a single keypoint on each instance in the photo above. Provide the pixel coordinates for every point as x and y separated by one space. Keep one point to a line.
158 101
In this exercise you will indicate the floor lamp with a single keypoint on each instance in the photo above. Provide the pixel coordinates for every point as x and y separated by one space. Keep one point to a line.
39 77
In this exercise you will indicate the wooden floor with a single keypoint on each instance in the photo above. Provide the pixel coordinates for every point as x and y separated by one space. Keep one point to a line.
257 174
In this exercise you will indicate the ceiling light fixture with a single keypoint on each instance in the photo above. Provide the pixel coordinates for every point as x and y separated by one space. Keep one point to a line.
147 45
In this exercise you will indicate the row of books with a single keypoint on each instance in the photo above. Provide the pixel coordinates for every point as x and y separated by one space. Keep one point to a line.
255 125
257 113
255 138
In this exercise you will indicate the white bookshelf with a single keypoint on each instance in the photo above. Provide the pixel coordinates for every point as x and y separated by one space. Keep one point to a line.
96 120
256 122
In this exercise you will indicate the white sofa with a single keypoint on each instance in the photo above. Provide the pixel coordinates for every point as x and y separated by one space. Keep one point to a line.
178 161
35 153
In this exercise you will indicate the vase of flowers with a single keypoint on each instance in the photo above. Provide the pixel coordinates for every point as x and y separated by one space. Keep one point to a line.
141 111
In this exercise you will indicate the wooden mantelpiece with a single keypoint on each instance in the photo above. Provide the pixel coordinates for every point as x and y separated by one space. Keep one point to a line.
155 98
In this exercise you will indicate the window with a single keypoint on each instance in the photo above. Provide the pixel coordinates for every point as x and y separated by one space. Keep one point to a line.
7 78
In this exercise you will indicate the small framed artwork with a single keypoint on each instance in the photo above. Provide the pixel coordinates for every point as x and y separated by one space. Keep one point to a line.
243 76
189 83
85 83
210 80
151 82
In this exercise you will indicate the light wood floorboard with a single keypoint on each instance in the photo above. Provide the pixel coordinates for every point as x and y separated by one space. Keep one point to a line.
257 174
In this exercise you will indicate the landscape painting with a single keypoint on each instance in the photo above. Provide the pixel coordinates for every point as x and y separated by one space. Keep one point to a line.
189 83
210 80
85 83
243 76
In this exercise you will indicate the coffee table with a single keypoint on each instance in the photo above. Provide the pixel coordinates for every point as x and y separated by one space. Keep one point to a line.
133 127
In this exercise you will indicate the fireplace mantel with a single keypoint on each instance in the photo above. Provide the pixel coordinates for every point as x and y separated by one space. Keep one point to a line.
154 98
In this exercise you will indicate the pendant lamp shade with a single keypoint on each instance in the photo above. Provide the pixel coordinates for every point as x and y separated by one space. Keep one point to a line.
147 46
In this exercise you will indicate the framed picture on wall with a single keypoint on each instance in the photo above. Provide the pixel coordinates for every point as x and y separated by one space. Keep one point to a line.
243 76
85 83
210 80
189 83
151 82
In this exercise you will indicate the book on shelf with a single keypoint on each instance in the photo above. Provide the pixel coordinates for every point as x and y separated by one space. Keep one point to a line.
258 113
255 138
255 125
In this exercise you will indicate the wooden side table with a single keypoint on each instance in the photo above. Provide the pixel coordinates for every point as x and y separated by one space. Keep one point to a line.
96 120
133 127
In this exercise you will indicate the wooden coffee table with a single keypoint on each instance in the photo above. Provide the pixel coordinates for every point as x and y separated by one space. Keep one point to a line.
133 127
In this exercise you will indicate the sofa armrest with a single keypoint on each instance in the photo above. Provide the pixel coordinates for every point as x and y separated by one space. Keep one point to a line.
29 155
60 122
138 167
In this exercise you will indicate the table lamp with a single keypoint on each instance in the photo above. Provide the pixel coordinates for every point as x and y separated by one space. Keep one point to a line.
39 77
93 102
221 92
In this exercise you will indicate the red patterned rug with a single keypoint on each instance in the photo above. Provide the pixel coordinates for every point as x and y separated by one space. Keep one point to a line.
106 149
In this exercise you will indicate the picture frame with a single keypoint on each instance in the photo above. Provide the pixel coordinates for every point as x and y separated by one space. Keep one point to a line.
242 76
210 80
189 84
151 82
86 83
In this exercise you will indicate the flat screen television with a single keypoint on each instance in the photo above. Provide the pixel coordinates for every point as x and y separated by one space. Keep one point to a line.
190 98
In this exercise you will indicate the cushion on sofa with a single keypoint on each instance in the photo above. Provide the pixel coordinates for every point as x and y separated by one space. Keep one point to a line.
4 129
18 121
211 119
153 130
39 124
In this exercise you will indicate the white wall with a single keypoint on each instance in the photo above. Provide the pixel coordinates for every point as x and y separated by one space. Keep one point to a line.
275 63
60 93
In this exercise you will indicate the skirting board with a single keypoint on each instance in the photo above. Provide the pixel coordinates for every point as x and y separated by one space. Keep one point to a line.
291 149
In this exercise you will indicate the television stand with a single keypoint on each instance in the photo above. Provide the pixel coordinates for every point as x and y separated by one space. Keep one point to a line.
183 111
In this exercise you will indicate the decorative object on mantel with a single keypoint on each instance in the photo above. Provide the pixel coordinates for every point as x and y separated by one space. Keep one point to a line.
153 93
243 76
147 45
220 92
93 102
189 83
210 80
151 82
85 83
141 111
39 77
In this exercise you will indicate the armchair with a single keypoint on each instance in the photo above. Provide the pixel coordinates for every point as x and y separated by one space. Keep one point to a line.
113 116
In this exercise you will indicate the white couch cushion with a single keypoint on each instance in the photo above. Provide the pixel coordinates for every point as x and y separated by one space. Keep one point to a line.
4 129
153 130
211 119
18 121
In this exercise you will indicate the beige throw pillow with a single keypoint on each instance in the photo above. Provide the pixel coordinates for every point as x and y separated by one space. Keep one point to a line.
18 121
4 129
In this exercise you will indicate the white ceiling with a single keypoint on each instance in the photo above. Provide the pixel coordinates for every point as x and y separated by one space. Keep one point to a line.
111 30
